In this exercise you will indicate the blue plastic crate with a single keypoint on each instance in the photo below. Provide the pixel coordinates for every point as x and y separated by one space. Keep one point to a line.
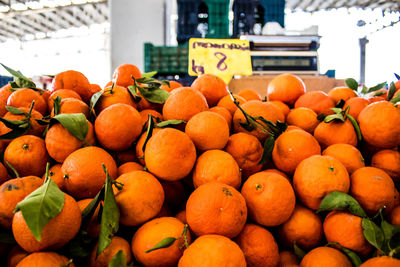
274 10
4 80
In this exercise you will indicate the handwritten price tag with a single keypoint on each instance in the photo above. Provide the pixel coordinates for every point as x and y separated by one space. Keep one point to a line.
221 57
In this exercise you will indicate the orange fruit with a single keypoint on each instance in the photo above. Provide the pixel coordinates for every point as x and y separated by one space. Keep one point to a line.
62 93
128 155
118 95
382 261
286 88
73 105
144 115
5 92
55 174
336 132
317 176
15 255
318 101
94 88
104 258
22 98
12 192
183 103
57 232
226 102
356 104
379 93
172 85
129 167
139 145
40 259
208 130
389 161
145 104
28 155
255 108
378 124
83 171
3 174
216 166
118 126
170 154
181 216
250 94
345 228
212 87
292 147
73 80
122 74
394 217
288 259
93 228
279 110
224 113
175 195
140 199
341 93
216 208
246 150
277 172
258 245
304 227
60 142
373 188
151 233
347 154
281 106
212 250
304 118
325 256
269 198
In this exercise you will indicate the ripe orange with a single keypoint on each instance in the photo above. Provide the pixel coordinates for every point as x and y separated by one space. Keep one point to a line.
73 80
139 145
212 87
280 111
213 250
128 155
325 256
170 154
140 199
318 101
288 259
382 261
335 132
378 124
389 161
341 93
281 106
57 232
55 174
83 171
73 105
356 104
216 208
208 130
15 255
118 95
292 147
347 154
118 126
23 98
60 142
183 103
41 259
62 93
3 174
304 118
12 192
216 166
93 228
175 195
345 228
317 176
250 94
35 129
258 245
181 216
129 167
94 88
224 113
28 155
304 227
172 85
144 116
269 198
286 88
117 244
152 232
122 74
394 217
5 92
373 188
226 102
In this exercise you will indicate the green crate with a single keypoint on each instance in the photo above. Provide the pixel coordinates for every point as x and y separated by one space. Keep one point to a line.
218 18
166 59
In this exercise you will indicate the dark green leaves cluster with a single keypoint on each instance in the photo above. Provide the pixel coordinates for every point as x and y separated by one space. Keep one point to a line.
20 81
18 127
342 115
149 88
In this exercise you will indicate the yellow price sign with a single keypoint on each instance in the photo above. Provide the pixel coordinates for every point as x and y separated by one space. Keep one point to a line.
221 57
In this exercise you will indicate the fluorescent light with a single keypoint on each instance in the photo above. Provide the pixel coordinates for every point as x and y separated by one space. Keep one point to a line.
19 7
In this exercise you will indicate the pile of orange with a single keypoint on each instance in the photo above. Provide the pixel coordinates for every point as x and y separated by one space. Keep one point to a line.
209 181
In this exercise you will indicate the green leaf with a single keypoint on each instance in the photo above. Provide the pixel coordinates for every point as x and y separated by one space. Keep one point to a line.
379 93
93 100
395 99
321 117
20 80
149 74
298 251
392 91
14 110
372 233
340 104
166 242
68 263
387 229
133 93
149 132
13 124
364 90
40 206
57 105
397 76
356 127
337 200
158 96
168 123
376 87
109 217
352 84
119 260
354 258
269 144
14 133
90 209
337 116
75 123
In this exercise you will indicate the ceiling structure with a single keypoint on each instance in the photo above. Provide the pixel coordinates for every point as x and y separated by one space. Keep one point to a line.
39 19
